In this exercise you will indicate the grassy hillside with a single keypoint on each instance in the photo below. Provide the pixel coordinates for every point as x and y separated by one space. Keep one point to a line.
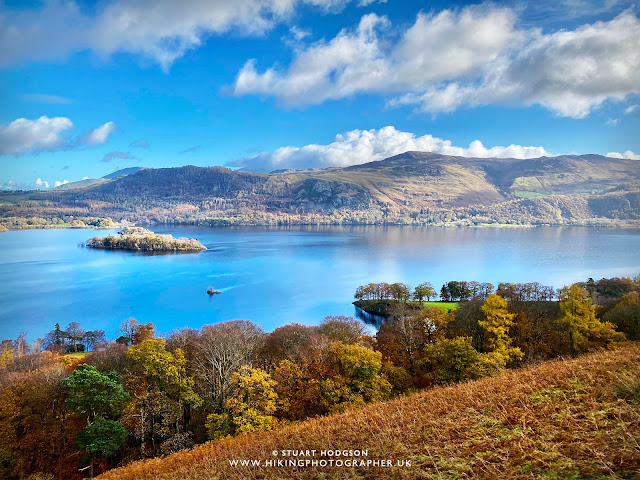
411 188
575 419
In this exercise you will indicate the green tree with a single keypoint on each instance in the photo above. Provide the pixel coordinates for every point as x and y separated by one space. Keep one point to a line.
102 438
578 317
424 290
94 394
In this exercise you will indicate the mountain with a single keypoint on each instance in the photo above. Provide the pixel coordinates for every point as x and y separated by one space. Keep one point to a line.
411 188
88 182
558 419
123 172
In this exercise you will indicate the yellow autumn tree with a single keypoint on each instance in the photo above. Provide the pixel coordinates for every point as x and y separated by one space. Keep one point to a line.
253 400
578 317
497 322
354 378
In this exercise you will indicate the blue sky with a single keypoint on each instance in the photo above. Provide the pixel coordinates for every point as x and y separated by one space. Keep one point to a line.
266 84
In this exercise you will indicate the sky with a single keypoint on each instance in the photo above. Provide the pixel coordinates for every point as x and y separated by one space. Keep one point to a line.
89 88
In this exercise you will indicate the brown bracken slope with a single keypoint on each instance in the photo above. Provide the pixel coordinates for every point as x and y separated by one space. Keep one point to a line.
575 418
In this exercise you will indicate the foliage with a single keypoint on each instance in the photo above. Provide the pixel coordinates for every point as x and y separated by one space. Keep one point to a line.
626 316
94 394
450 361
128 240
577 314
496 324
252 402
102 438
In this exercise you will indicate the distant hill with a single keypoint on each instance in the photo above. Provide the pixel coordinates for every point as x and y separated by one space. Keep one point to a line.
411 188
88 182
559 419
123 172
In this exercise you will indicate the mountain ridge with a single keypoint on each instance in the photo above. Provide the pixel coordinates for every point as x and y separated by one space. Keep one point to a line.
412 187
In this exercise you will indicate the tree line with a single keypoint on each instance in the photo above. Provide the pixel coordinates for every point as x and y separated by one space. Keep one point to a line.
146 395
455 291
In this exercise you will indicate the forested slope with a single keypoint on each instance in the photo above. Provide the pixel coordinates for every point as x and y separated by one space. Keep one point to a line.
411 188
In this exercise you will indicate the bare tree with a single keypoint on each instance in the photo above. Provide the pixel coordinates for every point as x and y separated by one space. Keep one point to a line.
129 327
222 349
75 333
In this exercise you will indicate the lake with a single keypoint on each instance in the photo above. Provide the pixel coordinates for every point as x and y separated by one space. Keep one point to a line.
275 276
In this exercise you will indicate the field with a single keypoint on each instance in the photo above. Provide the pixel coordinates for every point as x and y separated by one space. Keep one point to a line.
446 306
577 418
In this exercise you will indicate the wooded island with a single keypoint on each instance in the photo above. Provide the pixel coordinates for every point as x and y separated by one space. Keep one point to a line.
138 238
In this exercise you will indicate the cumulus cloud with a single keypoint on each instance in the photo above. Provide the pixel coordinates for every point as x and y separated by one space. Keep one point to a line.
436 48
43 134
46 134
629 155
37 184
473 56
631 109
162 30
362 146
118 155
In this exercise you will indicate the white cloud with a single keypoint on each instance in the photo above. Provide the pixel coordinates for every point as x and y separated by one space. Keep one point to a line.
469 57
100 134
162 30
23 135
436 48
612 122
631 109
362 146
629 155
46 134
37 184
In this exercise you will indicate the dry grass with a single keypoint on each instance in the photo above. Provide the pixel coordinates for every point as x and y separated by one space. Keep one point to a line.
560 419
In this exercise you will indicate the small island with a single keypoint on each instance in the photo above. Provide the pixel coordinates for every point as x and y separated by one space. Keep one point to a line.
141 239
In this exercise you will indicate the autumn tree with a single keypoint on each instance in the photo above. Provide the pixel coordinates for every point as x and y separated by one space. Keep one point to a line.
496 324
450 361
143 332
355 378
340 328
578 316
37 431
160 389
298 391
250 405
128 329
221 350
296 343
625 315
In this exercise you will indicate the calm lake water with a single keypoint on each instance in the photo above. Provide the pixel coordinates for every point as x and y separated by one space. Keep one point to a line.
280 275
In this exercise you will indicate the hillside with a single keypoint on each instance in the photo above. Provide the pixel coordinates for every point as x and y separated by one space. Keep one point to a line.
411 188
575 419
89 182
